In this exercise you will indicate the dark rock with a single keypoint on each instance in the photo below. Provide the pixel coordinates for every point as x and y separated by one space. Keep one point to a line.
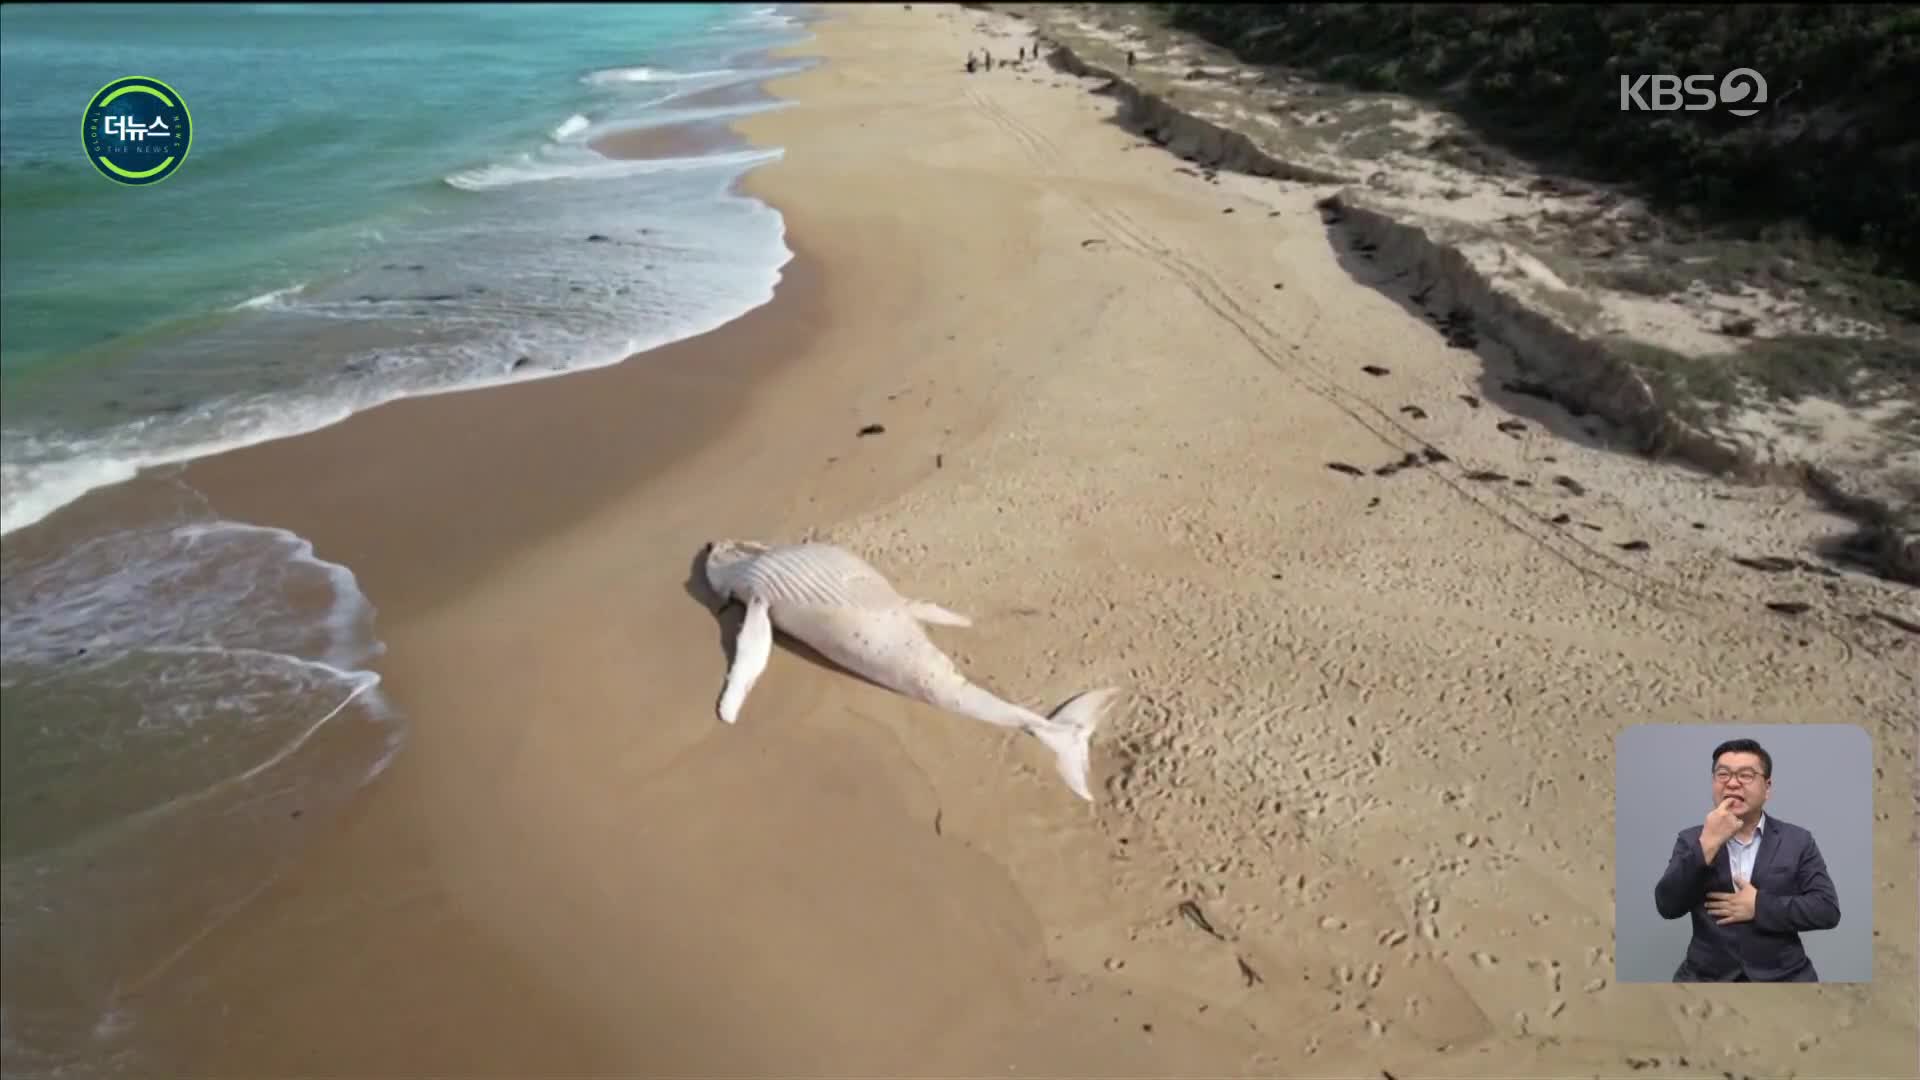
1472 402
1523 483
1562 519
1788 607
1414 411
522 362
1739 327
1343 467
1767 564
1375 370
1227 210
1458 326
1433 455
598 238
873 429
1573 486
1485 475
1511 427
1634 545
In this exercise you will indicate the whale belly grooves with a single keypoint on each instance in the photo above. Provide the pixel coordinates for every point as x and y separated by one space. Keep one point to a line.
819 575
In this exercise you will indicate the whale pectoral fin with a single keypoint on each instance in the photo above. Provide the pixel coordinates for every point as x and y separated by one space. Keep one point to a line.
751 649
928 612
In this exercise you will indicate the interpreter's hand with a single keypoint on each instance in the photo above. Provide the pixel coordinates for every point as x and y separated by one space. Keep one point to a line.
1721 824
1733 907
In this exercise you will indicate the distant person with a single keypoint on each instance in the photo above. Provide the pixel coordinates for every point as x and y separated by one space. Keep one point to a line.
989 57
970 64
1023 54
1129 59
1752 883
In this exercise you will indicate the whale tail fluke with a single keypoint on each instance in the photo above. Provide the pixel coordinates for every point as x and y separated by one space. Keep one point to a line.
1069 734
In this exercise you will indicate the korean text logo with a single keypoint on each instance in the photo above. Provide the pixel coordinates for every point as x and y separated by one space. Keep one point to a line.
137 131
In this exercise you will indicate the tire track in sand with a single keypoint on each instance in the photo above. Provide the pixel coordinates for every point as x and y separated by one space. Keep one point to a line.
1127 234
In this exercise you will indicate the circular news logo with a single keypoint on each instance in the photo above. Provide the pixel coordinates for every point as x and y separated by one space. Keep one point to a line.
136 131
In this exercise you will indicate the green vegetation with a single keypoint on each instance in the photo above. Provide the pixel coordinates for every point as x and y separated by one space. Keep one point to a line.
1836 148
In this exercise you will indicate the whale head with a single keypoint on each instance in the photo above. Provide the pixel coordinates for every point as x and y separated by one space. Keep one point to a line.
722 563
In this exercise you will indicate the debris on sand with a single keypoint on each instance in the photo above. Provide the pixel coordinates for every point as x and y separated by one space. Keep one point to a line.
1192 913
1407 461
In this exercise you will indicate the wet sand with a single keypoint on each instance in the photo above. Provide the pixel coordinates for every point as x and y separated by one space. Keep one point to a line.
1370 717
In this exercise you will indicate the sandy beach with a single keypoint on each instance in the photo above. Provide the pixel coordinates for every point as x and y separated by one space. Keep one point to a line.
1369 721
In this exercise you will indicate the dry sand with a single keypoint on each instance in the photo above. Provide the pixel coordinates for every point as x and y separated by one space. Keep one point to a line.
1370 721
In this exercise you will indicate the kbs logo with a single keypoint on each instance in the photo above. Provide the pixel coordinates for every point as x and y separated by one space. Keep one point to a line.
1743 87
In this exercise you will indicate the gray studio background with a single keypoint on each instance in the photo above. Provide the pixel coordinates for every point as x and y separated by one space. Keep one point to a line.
1822 782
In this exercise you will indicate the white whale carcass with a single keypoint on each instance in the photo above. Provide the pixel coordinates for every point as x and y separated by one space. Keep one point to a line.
832 600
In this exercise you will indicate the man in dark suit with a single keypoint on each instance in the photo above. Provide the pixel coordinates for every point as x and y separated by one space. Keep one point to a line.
1752 883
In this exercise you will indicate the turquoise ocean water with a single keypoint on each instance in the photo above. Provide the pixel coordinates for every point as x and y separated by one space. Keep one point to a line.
380 201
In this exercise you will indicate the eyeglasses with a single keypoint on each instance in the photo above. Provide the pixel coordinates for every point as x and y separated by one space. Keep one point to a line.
1745 776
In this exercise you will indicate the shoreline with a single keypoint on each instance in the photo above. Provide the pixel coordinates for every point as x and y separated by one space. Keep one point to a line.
680 138
580 870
